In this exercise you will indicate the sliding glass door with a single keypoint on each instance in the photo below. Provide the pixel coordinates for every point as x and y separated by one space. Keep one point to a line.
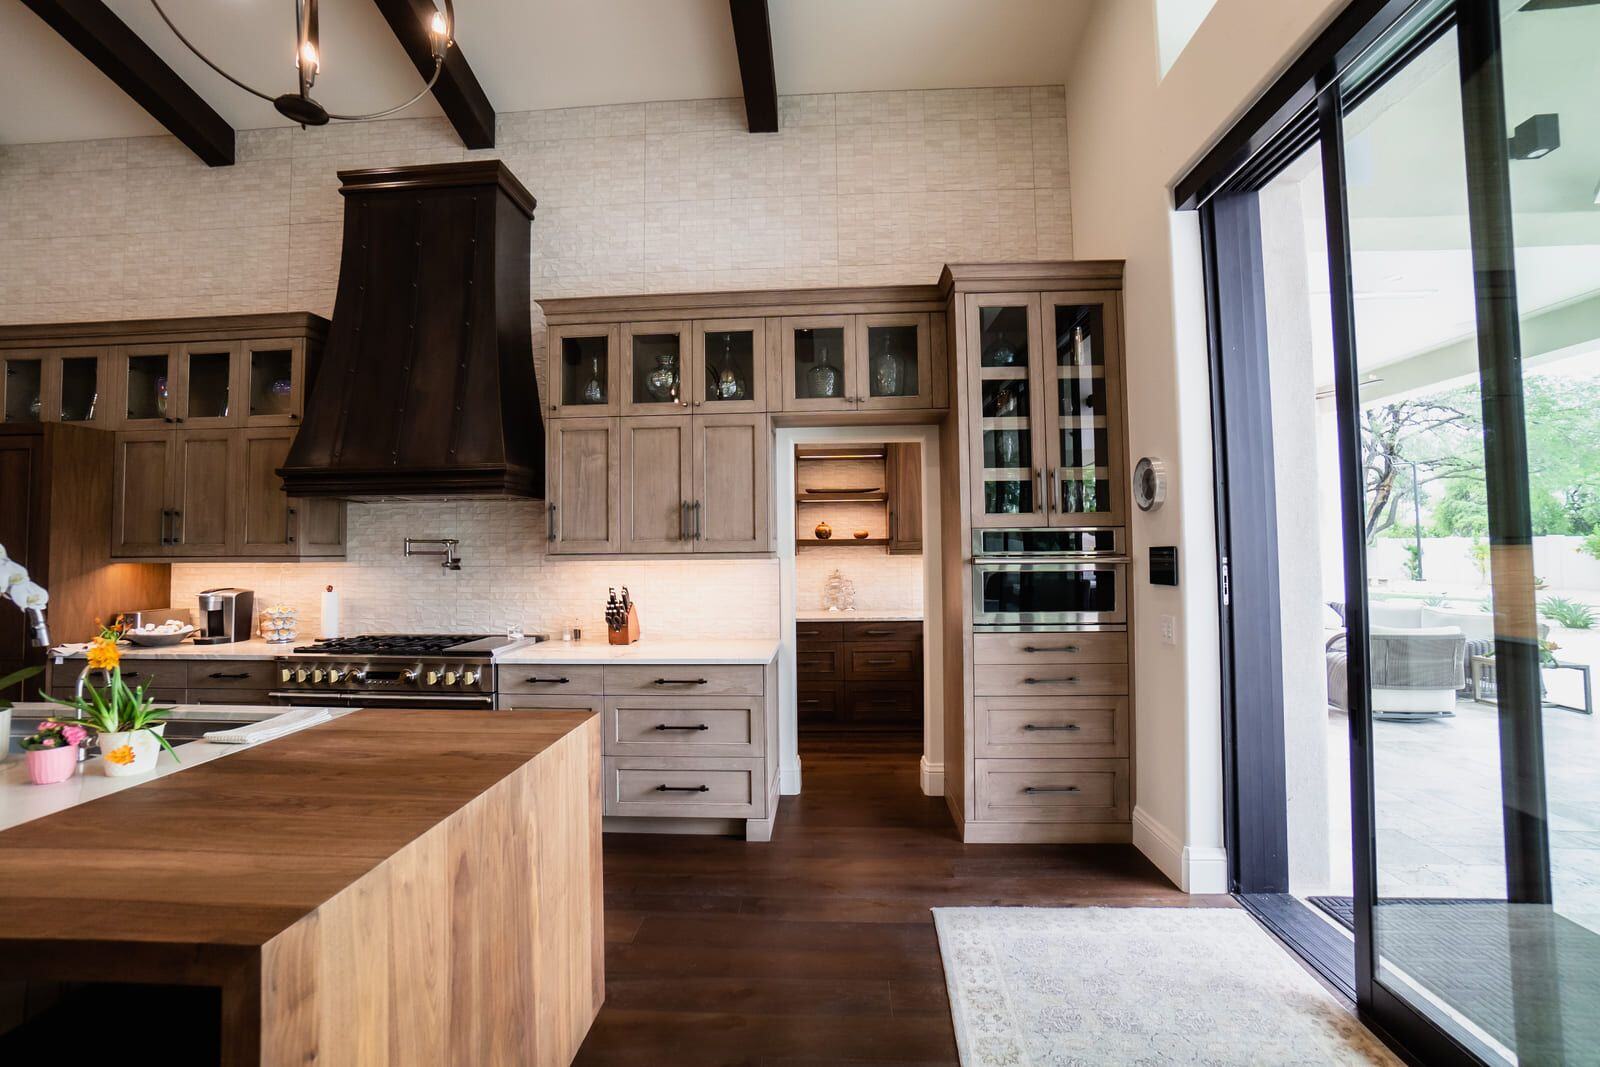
1404 270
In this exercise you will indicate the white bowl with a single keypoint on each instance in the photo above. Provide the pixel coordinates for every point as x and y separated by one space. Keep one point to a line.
145 639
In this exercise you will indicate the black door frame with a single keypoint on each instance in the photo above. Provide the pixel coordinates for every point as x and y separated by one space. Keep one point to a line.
1305 108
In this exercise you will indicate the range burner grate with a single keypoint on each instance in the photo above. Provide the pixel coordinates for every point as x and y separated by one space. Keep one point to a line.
391 644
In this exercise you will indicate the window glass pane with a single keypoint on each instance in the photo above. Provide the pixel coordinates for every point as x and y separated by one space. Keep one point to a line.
271 381
208 384
24 386
730 365
892 360
147 387
656 368
1009 483
80 388
584 371
819 363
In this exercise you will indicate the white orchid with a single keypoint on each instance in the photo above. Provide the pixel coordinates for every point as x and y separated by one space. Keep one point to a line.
11 572
27 594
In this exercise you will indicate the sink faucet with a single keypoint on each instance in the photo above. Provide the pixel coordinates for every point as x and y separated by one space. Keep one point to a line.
447 549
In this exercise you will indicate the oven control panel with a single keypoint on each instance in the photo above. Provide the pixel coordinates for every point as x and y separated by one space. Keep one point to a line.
318 674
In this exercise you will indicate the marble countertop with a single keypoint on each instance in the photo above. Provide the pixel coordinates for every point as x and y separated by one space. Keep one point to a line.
21 801
861 615
255 648
710 650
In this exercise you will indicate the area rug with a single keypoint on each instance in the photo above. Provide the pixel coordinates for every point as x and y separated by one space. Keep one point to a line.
1075 987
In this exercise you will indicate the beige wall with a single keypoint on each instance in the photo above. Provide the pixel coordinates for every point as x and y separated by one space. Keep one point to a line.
1134 134
864 188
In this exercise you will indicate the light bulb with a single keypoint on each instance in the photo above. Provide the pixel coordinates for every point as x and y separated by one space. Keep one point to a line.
437 24
308 58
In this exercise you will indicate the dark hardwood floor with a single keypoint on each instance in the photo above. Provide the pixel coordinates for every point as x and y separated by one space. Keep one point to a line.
818 947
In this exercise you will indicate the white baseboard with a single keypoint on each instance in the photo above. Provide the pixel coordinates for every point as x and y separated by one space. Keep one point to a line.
932 778
789 778
1193 870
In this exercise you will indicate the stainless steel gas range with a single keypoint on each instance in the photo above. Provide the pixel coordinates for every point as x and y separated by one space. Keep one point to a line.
392 671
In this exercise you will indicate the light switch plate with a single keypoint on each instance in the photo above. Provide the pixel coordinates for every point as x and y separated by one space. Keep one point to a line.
1169 629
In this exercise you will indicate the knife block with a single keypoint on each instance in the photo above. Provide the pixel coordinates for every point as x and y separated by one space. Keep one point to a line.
629 633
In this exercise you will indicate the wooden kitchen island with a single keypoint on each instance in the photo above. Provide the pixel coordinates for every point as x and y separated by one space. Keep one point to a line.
374 890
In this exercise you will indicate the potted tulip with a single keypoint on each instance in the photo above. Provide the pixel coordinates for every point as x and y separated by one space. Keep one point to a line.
52 752
127 723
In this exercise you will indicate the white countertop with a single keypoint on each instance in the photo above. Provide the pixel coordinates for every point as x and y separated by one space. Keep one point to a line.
21 801
862 615
255 648
710 650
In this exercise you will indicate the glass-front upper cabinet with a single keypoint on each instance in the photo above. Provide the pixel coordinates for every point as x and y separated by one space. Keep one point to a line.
729 373
206 384
819 366
1009 456
273 378
583 370
1084 410
655 363
78 393
893 365
23 384
149 375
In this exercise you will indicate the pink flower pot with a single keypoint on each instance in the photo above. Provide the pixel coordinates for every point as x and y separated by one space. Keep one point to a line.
47 766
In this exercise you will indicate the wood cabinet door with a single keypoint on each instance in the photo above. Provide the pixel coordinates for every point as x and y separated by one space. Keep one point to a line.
267 518
272 381
319 526
78 387
902 470
582 485
657 483
209 385
24 387
1083 403
893 362
204 493
732 505
655 366
1004 353
729 374
148 386
141 510
819 363
584 370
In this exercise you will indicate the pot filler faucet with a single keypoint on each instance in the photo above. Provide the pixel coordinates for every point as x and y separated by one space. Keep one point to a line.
447 549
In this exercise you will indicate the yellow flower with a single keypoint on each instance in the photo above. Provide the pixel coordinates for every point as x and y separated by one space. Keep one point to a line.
104 655
120 756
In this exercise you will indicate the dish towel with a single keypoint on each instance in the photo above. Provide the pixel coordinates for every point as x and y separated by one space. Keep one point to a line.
270 729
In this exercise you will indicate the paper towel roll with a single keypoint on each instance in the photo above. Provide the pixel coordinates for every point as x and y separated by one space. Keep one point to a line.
330 613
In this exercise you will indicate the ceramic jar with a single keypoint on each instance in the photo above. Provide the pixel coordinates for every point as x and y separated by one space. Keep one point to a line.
127 753
46 766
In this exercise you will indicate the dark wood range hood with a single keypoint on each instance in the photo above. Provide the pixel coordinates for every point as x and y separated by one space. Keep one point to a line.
427 386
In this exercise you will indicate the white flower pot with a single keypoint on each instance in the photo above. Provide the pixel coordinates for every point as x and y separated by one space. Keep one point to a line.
129 752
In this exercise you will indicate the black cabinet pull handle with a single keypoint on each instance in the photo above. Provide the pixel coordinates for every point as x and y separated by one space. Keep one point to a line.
288 526
877 633
166 515
683 789
880 662
680 681
664 726
808 633
177 527
811 702
534 678
1069 649
1069 680
1051 789
224 675
1033 727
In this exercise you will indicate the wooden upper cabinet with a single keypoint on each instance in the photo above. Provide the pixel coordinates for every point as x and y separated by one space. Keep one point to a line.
583 479
271 523
207 385
732 507
902 472
729 372
657 484
56 385
272 378
584 370
1083 419
819 363
893 362
23 382
656 358
141 509
147 385
204 493
1004 354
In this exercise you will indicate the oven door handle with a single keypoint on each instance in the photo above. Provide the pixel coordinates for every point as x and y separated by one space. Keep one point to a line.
1081 559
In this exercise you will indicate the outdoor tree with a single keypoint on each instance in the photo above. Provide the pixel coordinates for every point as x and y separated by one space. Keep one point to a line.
1397 434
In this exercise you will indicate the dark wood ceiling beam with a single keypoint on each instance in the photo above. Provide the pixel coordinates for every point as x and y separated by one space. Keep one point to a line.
108 43
752 36
463 100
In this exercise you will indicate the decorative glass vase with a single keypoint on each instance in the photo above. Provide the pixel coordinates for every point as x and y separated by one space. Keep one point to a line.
886 371
823 381
594 390
662 381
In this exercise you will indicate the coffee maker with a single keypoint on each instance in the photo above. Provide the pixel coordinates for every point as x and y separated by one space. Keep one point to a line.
225 615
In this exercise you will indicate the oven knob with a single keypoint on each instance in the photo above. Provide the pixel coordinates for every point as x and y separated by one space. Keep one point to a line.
335 674
300 675
469 677
316 674
449 677
432 678
284 674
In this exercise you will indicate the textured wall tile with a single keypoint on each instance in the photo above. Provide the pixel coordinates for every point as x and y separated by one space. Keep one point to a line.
797 111
893 106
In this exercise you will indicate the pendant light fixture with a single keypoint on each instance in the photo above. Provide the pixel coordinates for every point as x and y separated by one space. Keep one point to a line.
300 106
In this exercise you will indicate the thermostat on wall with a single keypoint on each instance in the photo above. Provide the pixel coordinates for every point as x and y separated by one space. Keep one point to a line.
1149 483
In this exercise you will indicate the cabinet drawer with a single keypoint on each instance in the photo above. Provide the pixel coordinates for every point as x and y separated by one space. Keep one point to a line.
885 706
1050 648
688 787
166 696
818 633
871 663
229 696
1070 679
1050 726
232 674
684 726
687 679
556 681
157 673
820 664
540 702
817 707
1051 790
883 631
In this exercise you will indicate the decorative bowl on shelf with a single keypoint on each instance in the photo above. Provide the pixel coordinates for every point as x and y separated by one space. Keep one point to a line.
840 492
158 638
860 535
823 531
